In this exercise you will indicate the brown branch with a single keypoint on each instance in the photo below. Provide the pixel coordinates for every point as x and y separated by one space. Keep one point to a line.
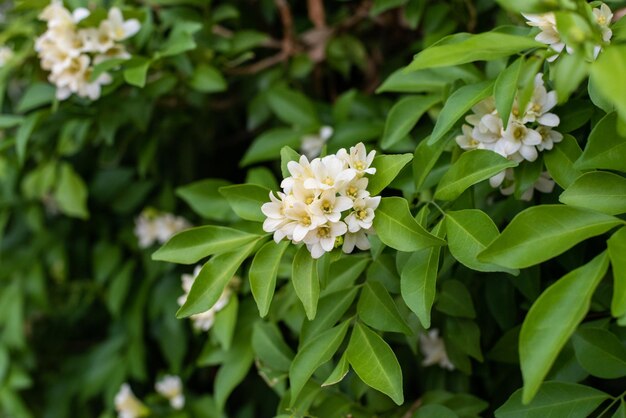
414 407
317 13
471 10
261 65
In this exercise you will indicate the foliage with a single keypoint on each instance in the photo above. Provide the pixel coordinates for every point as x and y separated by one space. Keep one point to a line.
478 296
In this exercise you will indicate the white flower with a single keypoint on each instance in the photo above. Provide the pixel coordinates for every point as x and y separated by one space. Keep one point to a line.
300 171
355 189
118 28
603 17
322 239
171 387
544 184
363 214
204 320
488 131
519 138
358 159
275 212
329 173
301 221
127 405
313 144
150 227
549 34
330 206
540 104
358 239
549 137
6 54
434 350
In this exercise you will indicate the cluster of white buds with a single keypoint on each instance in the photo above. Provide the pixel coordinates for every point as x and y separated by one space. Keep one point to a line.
203 321
549 34
6 54
325 202
70 53
152 226
528 132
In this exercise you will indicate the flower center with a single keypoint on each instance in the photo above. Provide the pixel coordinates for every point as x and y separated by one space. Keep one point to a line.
601 20
328 181
536 108
359 165
306 220
327 207
352 192
323 232
518 133
361 214
309 200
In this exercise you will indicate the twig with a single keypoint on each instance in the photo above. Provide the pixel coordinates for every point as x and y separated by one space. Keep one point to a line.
317 13
260 65
409 413
471 10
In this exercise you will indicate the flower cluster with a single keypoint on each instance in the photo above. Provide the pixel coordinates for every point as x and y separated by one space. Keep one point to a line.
325 202
434 350
544 184
204 320
528 132
549 34
70 53
151 227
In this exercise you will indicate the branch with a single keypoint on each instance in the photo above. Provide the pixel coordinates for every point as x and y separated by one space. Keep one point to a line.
317 13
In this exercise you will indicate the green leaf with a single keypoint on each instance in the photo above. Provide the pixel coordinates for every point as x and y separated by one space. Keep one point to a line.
455 300
339 372
225 322
179 41
377 309
621 411
269 346
191 245
232 372
605 75
541 232
136 71
383 5
292 107
617 249
207 79
403 116
418 279
71 193
375 363
23 134
567 74
553 318
306 281
560 161
457 105
398 229
387 168
263 272
554 399
464 334
461 48
317 352
268 145
246 200
472 167
600 352
212 280
434 411
330 310
287 154
470 231
505 90
528 6
38 94
425 158
204 198
606 147
597 190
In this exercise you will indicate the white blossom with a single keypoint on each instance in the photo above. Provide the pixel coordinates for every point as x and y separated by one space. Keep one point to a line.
434 350
544 184
321 198
171 388
127 405
151 227
204 320
6 54
519 138
313 144
70 53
